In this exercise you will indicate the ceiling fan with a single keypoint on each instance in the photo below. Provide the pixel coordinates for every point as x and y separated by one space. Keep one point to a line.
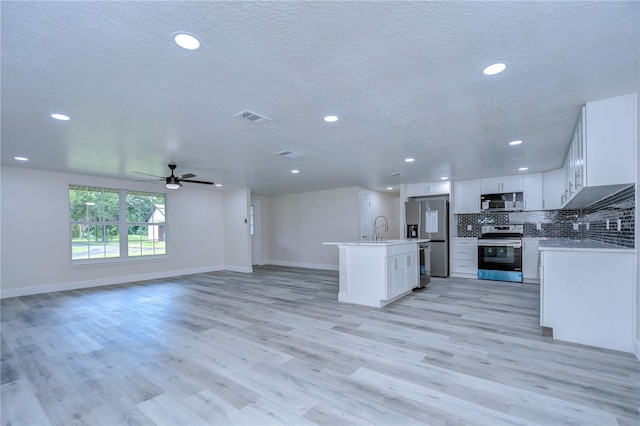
175 182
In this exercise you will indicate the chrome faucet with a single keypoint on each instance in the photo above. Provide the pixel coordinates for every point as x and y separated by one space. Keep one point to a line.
385 225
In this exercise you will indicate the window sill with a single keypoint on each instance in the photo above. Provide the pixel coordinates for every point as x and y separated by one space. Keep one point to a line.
116 261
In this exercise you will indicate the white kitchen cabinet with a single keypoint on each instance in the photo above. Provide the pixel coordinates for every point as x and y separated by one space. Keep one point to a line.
552 189
601 158
587 296
532 191
498 184
530 256
466 196
428 188
463 257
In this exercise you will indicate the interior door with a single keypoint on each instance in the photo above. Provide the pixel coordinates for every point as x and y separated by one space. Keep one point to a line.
254 229
365 216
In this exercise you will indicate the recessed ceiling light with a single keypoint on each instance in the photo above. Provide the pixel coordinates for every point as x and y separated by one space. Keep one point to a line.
409 160
218 185
187 41
331 118
21 158
444 178
389 188
515 142
294 171
522 169
61 117
493 69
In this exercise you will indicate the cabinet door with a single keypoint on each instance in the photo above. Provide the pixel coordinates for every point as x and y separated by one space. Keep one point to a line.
552 189
512 183
491 185
530 258
427 188
466 196
532 191
411 271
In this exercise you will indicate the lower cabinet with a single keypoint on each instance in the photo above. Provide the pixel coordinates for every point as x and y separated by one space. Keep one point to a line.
587 297
402 274
464 257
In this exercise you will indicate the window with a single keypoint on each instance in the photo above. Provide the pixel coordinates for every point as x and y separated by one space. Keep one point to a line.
111 223
146 225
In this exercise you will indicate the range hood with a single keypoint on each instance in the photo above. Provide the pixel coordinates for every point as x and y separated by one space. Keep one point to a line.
592 194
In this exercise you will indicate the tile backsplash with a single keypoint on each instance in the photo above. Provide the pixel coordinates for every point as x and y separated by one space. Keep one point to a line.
589 223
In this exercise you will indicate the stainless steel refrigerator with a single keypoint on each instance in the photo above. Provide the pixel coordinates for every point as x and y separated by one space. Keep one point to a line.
431 217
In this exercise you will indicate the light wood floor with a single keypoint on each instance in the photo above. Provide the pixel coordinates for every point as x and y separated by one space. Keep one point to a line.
275 347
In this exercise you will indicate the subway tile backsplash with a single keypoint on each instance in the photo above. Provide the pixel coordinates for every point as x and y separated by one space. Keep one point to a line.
588 223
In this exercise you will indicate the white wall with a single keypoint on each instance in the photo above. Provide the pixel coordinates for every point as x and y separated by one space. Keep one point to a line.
387 205
237 238
296 225
637 224
35 247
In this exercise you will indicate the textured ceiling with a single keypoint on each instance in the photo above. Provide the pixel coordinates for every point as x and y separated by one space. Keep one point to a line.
405 79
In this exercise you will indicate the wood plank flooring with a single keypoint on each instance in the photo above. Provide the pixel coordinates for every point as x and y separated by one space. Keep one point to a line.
275 347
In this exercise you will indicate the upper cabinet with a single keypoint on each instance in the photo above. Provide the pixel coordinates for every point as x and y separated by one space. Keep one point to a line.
601 158
496 185
532 191
552 189
428 188
466 196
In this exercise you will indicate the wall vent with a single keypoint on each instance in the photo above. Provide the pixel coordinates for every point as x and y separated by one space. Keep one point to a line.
290 154
252 116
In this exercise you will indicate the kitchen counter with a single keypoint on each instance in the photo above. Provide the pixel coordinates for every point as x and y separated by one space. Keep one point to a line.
377 243
563 244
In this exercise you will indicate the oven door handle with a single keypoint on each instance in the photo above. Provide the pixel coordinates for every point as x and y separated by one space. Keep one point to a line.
505 243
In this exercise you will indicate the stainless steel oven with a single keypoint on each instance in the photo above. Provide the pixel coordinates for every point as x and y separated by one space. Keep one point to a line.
500 253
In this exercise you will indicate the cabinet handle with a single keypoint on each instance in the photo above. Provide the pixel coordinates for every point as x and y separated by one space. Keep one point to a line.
395 264
408 261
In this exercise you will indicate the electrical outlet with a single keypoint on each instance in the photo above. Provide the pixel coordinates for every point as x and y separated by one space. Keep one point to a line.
607 224
23 269
587 226
469 227
576 226
619 225
539 226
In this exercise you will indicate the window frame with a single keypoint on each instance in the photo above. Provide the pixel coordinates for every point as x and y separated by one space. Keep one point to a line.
123 224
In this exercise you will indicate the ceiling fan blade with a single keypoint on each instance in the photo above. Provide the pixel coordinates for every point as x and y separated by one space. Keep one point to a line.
186 176
147 174
148 180
196 181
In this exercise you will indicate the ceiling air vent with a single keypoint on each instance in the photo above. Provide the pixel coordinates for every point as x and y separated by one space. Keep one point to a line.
252 116
290 154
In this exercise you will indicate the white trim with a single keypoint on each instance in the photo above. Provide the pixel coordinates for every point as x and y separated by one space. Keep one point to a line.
75 285
303 265
636 348
246 269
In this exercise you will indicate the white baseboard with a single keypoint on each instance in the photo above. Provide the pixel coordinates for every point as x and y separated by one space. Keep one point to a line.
246 269
303 265
75 285
636 348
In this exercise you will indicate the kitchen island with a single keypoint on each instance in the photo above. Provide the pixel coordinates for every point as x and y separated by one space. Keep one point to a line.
375 273
587 292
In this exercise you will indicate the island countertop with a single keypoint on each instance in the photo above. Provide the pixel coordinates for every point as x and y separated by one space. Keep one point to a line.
561 244
377 243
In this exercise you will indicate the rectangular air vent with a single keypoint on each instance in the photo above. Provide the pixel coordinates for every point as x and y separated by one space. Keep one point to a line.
290 154
252 116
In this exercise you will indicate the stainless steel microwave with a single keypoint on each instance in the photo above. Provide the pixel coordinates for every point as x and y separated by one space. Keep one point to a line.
504 202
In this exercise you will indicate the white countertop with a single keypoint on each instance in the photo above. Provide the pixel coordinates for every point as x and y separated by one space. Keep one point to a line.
377 243
563 244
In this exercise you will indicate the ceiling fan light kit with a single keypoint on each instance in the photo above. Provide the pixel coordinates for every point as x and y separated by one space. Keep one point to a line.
172 182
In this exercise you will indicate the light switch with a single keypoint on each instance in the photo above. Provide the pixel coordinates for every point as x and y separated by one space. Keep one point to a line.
619 224
539 226
575 226
607 224
469 227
